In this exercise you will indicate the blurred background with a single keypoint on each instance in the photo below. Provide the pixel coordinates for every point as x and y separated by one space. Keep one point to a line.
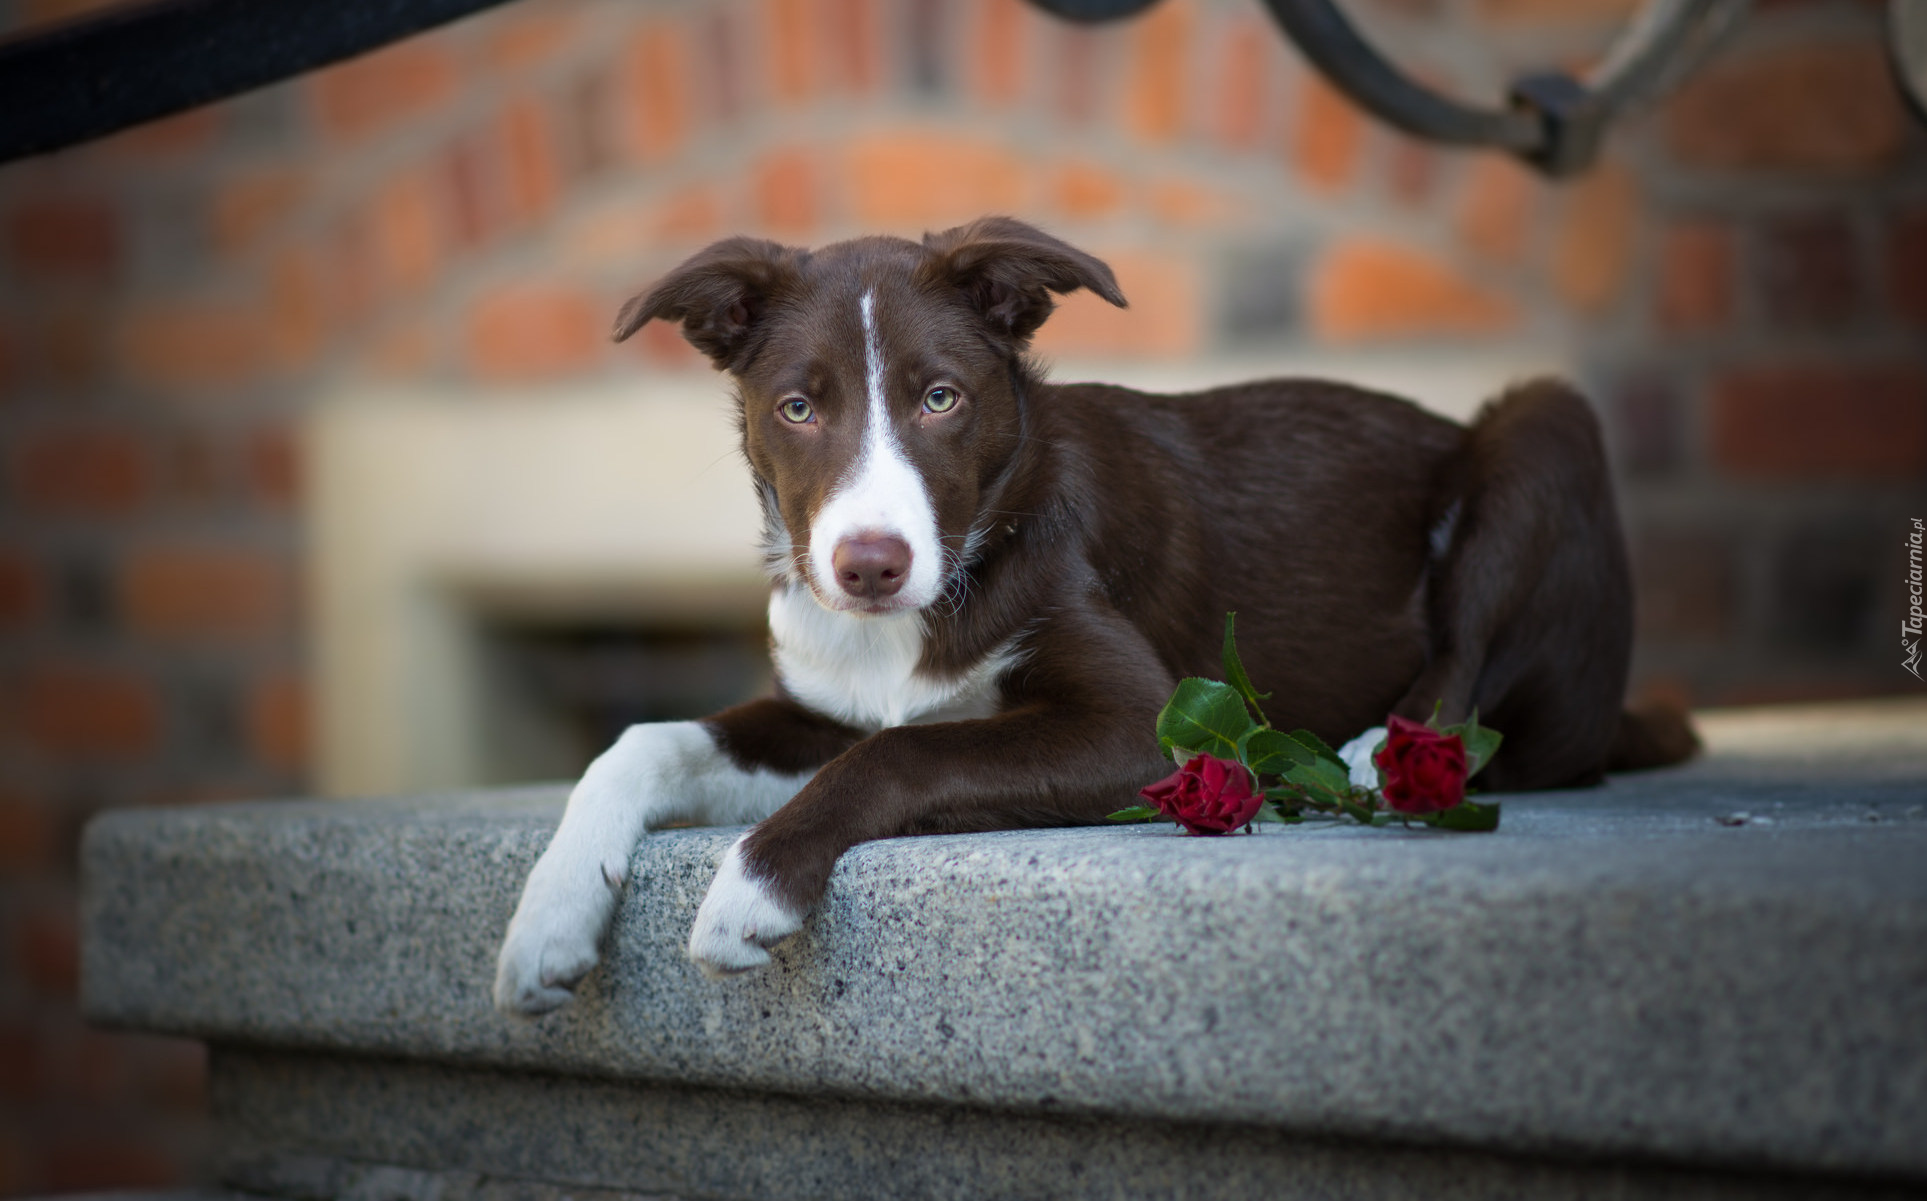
319 474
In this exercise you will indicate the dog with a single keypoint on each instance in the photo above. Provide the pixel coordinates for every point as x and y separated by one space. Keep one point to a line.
984 586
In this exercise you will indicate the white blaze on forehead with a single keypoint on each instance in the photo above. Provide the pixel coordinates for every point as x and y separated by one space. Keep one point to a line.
882 494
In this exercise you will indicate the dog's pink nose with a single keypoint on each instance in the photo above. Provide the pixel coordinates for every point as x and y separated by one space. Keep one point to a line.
871 565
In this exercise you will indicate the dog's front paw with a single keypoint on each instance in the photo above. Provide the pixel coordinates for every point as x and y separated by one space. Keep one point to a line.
740 916
549 948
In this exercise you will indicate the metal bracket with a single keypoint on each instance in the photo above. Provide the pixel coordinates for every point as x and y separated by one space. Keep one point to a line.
1554 121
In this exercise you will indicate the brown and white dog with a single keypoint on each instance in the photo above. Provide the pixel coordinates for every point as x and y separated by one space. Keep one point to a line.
984 586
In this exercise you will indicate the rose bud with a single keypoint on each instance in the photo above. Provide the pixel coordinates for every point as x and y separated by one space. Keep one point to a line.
1424 769
1208 795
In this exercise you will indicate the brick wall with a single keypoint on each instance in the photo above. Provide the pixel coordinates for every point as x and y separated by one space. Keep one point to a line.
1742 283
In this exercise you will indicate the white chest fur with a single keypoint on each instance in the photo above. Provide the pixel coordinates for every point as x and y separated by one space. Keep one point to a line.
862 670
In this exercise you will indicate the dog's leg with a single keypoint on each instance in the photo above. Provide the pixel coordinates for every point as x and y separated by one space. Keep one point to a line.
735 767
1529 598
1073 748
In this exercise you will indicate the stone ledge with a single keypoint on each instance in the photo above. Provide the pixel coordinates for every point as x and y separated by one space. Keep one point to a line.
1614 975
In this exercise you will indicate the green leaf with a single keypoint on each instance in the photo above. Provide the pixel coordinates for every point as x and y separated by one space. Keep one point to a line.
1323 777
1467 815
1267 814
1317 747
1480 745
1234 669
1179 755
1206 716
1136 813
1273 752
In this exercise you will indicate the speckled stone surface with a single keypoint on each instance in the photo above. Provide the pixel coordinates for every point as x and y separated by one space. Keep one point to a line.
307 1126
1635 971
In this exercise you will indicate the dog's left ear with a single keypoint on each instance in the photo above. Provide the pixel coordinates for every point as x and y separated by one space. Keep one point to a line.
720 296
1009 270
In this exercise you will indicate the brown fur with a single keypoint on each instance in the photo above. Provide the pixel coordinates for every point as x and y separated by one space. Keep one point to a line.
1121 527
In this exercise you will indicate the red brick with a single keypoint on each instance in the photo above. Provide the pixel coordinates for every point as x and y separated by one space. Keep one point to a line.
468 170
1809 271
70 238
909 180
1077 72
82 470
848 43
532 167
1002 26
1906 262
273 466
522 39
69 340
175 137
1495 215
1410 171
200 592
622 231
535 331
27 835
1807 108
20 1073
194 344
1243 82
277 719
401 351
659 95
785 186
10 364
1177 201
1687 586
786 35
1164 320
46 943
252 204
407 221
1158 84
297 315
1367 289
662 344
102 1161
1084 191
22 590
1590 12
1595 238
1696 278
1814 422
76 711
1327 137
378 91
169 1074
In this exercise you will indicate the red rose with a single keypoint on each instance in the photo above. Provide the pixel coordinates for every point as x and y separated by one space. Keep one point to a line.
1424 769
1208 795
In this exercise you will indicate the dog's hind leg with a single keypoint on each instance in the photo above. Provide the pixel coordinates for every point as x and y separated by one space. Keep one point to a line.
1529 596
734 768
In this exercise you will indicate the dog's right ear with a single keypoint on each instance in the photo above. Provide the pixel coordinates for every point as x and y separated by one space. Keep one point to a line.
1009 271
719 296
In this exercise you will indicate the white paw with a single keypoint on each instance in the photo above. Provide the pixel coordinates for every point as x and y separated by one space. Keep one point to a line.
738 918
1357 755
551 943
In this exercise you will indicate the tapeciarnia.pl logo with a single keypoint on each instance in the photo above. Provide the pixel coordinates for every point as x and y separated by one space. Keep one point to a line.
1910 625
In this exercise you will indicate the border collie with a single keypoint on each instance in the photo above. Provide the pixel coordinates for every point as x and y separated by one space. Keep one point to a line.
984 586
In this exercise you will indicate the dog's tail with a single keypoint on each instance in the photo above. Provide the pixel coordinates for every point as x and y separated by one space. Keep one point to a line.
1657 734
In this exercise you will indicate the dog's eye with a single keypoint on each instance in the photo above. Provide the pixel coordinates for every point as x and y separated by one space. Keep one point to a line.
940 400
796 410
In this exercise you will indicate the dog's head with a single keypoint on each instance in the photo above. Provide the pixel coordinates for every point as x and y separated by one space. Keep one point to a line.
880 387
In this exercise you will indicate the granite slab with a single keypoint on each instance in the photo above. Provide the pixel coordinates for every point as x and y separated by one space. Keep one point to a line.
1718 965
